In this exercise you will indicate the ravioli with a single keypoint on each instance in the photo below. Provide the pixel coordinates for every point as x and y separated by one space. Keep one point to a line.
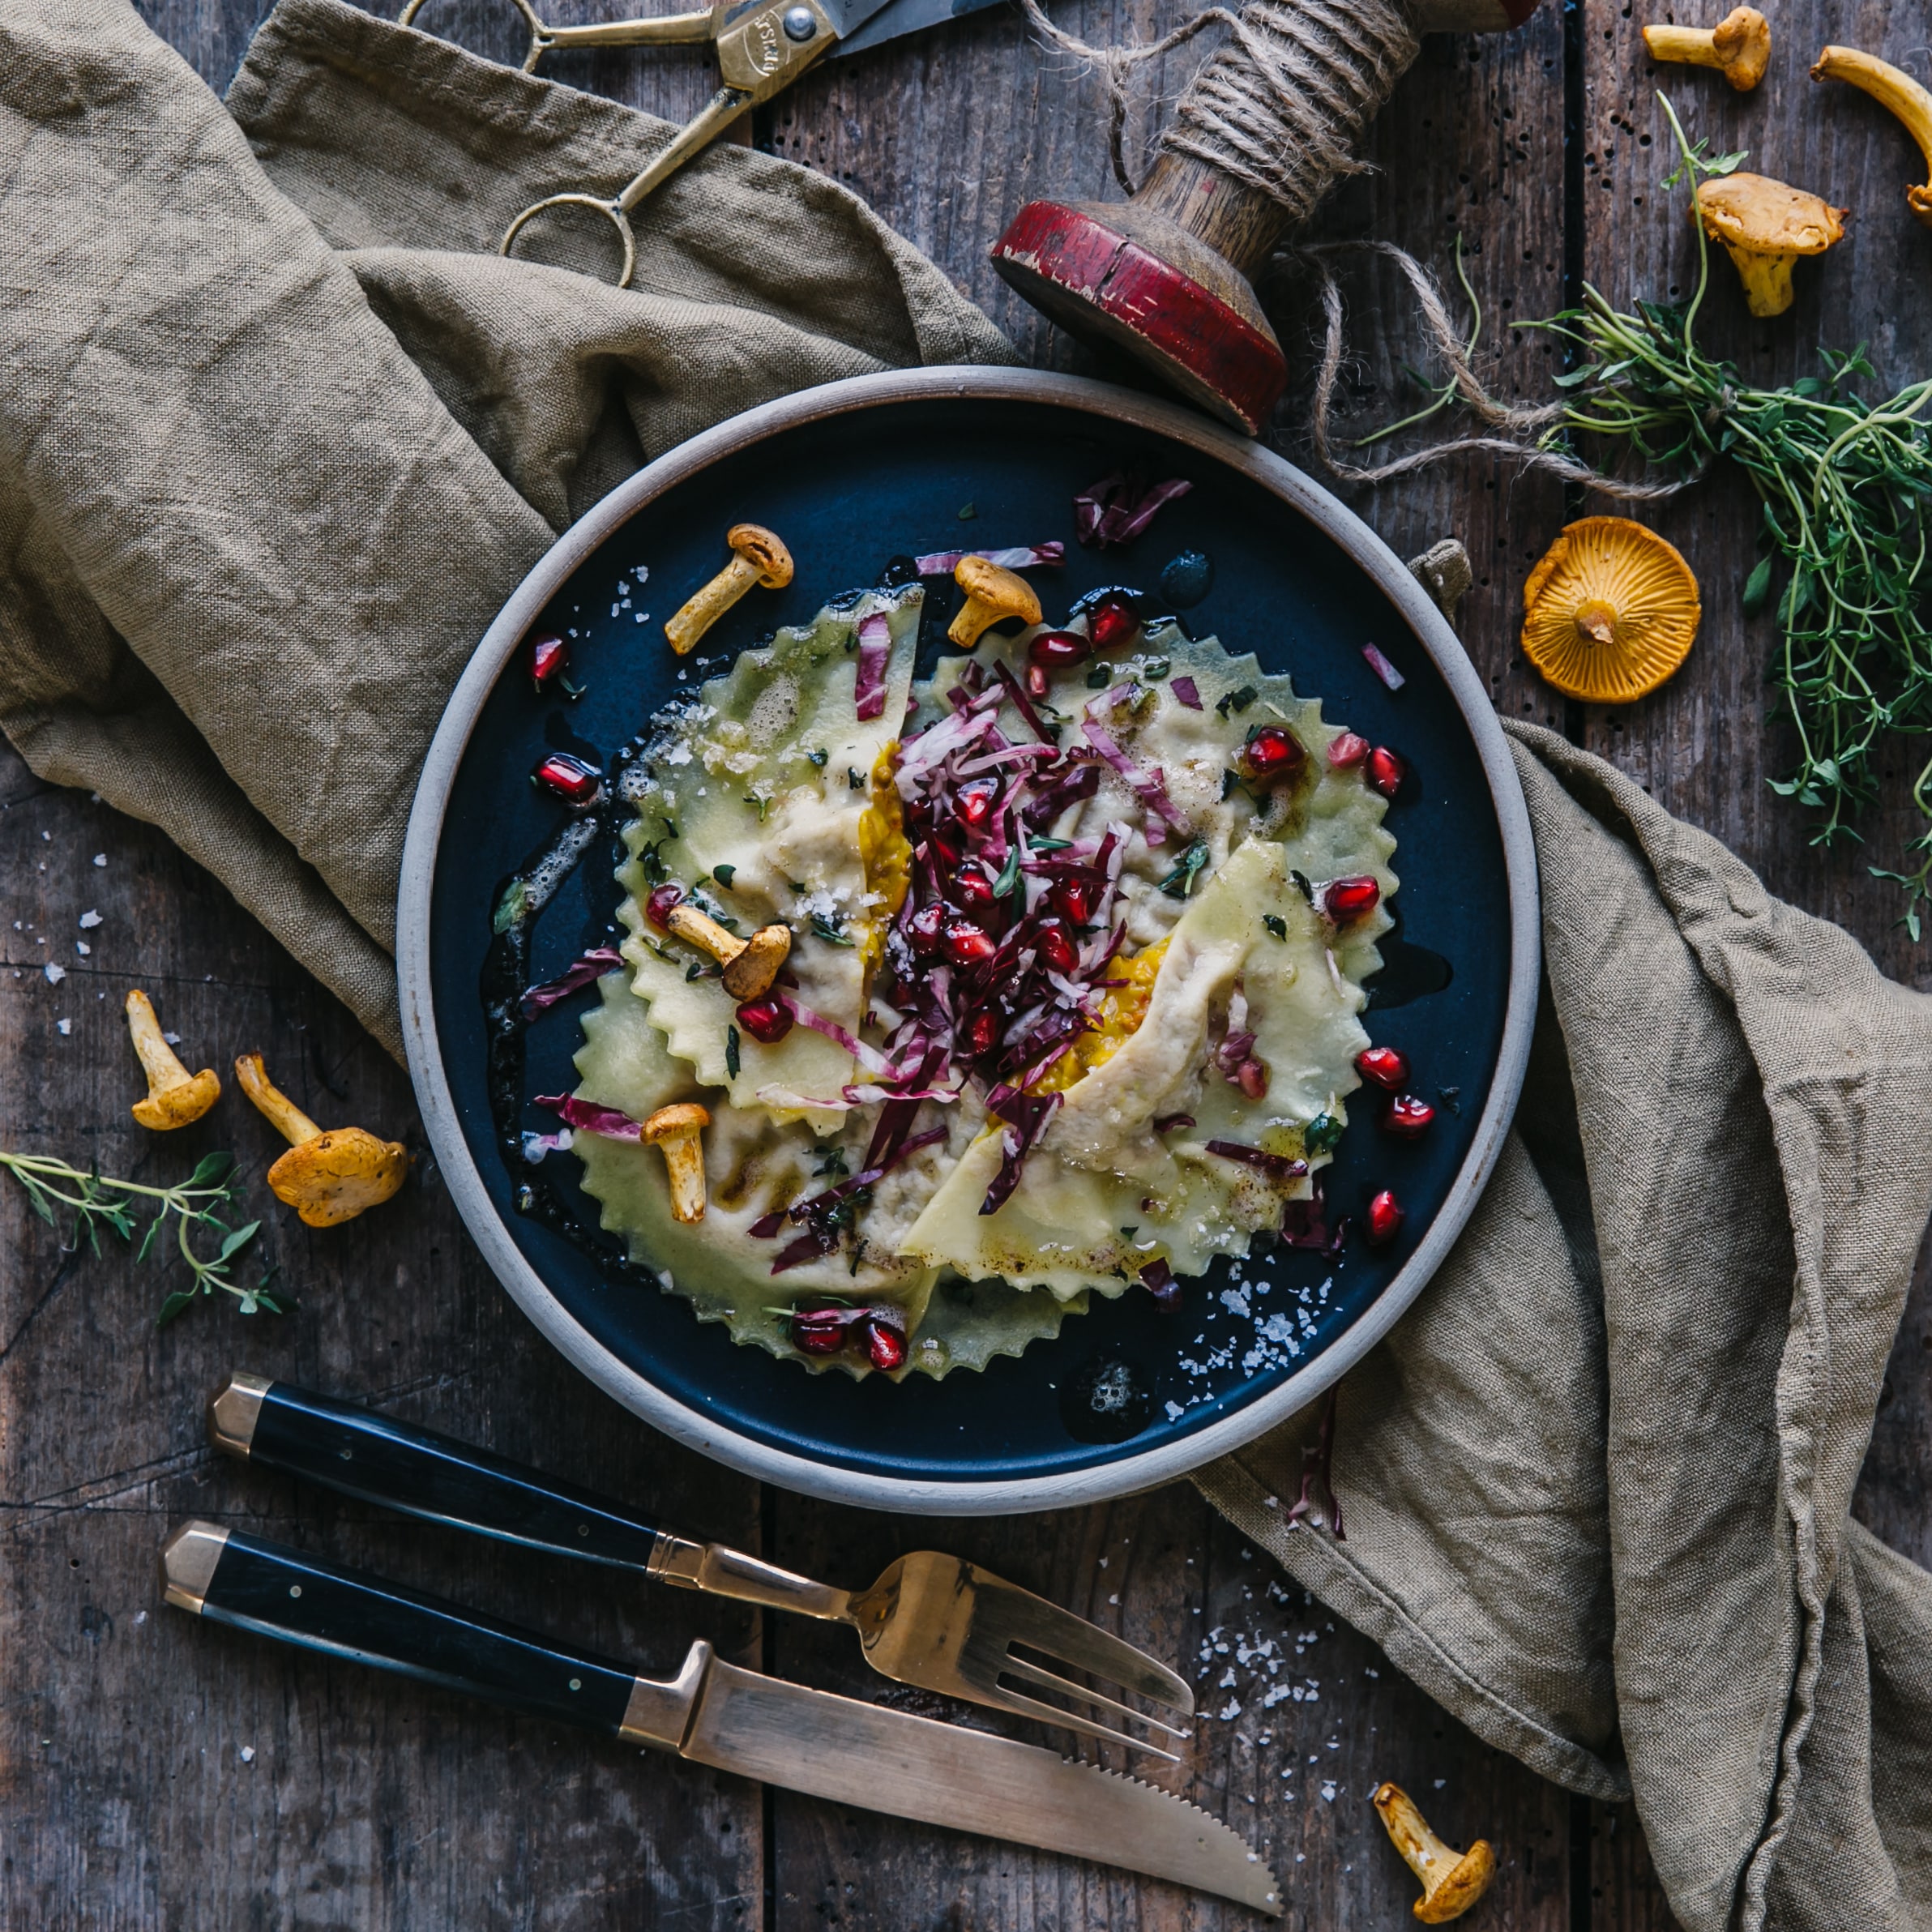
753 1163
762 788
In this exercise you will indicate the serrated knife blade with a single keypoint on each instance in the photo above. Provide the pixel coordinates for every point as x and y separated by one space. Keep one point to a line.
942 1774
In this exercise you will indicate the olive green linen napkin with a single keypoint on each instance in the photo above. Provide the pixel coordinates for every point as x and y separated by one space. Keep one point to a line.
1595 1486
280 431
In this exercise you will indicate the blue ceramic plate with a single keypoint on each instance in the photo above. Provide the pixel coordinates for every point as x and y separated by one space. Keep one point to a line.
851 474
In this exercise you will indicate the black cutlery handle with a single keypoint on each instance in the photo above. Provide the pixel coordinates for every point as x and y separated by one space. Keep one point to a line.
379 1460
236 1578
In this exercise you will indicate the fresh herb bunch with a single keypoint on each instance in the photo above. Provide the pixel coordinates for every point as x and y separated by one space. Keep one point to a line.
97 1203
1846 488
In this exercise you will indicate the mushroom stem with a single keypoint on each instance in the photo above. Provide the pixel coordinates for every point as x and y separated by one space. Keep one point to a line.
750 965
993 592
678 1131
1452 1881
281 1113
1899 92
175 1097
1739 46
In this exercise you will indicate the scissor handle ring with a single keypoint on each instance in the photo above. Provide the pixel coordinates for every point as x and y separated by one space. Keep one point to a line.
540 40
610 210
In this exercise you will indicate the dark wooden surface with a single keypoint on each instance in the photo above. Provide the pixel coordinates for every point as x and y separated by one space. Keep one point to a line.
155 1774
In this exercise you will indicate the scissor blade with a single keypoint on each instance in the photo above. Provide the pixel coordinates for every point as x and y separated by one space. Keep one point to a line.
907 1767
872 25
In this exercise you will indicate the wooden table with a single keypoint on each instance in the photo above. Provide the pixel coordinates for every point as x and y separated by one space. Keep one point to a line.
157 1774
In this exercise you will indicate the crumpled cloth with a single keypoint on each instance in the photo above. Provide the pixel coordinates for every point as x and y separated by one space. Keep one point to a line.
1595 1486
280 431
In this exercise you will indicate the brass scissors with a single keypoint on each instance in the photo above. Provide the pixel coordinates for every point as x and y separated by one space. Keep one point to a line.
763 46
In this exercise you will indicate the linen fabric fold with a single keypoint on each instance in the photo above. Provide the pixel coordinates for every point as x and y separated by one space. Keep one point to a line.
280 431
1596 1485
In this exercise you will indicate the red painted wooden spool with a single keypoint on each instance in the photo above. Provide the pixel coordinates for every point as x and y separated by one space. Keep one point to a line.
1164 277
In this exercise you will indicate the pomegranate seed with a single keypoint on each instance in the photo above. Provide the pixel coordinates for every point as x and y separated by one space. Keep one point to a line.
1409 1116
1057 948
982 1032
1384 1066
817 1329
1072 898
548 656
1385 772
1251 1077
1059 650
1346 899
1112 622
657 908
1036 682
569 778
948 845
967 943
1348 751
1383 1221
974 891
885 1345
766 1020
1271 755
927 927
976 801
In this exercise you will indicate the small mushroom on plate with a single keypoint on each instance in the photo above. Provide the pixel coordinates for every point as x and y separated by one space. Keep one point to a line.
1609 611
1891 89
325 1177
679 1131
1452 1881
750 965
993 594
759 556
1739 46
175 1097
1765 225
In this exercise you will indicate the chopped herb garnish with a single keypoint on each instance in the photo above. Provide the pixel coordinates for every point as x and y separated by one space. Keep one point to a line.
572 691
512 907
1302 886
1009 874
829 933
694 971
968 512
833 1167
1099 679
1156 667
1238 699
1321 1134
1128 1234
855 778
1276 924
818 758
731 1051
724 874
1179 883
1048 844
764 805
1230 784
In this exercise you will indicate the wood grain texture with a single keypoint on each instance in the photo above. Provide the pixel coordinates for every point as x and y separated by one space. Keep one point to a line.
127 1798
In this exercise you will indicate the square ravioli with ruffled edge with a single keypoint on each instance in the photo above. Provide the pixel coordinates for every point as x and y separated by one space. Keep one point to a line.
1073 999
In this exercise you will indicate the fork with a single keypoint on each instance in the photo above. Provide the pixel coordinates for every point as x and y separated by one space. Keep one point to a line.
937 1622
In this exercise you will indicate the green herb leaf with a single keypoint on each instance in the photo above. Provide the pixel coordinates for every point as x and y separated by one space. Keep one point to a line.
512 906
967 513
731 1051
1099 679
855 778
1179 884
1321 1134
832 935
818 758
1276 924
1757 589
724 874
1009 874
180 1299
1237 700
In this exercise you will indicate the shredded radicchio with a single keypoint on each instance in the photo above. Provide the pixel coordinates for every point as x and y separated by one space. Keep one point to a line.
1186 692
589 1117
875 649
1304 1225
1115 510
942 563
1383 668
594 965
1159 1279
1277 1167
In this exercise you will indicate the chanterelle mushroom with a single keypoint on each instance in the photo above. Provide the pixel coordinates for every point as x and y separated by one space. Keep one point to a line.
679 1131
750 965
1765 225
1890 88
325 1177
1739 44
1609 612
992 593
1452 1881
758 557
175 1097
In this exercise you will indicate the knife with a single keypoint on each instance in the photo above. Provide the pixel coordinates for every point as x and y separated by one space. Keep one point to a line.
715 1713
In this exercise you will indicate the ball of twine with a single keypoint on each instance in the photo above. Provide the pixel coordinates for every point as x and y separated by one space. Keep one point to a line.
1282 105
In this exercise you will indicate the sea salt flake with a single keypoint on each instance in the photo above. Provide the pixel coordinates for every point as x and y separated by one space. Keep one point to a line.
55 974
89 920
100 858
64 1028
248 1754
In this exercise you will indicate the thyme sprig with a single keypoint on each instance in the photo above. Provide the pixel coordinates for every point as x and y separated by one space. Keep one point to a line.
96 1202
1845 488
